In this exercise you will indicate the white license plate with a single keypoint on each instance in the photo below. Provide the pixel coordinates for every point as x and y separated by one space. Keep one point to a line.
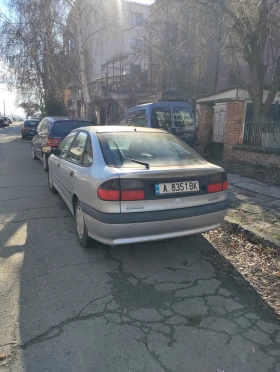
175 187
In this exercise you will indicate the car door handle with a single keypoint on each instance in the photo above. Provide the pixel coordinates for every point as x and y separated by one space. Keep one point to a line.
72 173
58 164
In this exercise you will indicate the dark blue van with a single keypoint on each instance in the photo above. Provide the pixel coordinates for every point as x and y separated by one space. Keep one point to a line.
175 117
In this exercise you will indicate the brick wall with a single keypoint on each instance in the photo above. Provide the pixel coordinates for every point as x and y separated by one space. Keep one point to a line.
205 123
234 126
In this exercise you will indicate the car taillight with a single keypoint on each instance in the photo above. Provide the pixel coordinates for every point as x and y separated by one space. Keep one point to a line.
122 190
217 182
53 142
110 190
24 128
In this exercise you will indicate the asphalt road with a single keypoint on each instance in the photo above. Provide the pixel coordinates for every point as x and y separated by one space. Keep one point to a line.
167 306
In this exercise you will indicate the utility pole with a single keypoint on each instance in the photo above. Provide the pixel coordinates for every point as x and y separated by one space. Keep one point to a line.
4 109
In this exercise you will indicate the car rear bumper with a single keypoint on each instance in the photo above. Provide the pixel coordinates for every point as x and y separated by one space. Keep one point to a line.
166 227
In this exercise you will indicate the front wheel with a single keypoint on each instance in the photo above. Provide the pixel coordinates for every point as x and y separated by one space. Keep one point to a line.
45 163
34 157
81 226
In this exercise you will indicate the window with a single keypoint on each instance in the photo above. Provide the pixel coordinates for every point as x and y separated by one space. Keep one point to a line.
41 125
63 128
65 145
136 19
122 120
136 44
130 118
171 32
140 118
77 149
88 156
182 118
31 123
160 150
161 118
135 69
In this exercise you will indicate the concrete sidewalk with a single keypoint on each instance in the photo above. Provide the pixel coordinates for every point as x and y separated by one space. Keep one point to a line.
254 210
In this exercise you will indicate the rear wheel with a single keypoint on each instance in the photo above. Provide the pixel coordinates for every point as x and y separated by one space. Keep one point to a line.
81 226
34 157
51 185
45 163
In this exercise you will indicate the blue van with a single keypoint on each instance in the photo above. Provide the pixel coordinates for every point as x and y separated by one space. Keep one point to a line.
175 117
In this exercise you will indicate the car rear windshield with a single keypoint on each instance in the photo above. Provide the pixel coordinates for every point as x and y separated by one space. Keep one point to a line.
31 123
63 128
155 149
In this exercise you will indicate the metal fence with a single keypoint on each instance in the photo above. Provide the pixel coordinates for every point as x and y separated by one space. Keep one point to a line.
262 134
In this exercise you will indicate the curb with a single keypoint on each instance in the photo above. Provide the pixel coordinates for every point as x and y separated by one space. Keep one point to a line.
233 226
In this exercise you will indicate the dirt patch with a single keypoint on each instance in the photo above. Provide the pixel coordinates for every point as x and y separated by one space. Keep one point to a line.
270 176
259 265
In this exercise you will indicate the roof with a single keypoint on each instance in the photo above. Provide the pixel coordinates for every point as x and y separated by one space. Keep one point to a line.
119 128
55 118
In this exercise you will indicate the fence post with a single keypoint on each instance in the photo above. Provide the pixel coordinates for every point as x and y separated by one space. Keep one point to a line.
235 117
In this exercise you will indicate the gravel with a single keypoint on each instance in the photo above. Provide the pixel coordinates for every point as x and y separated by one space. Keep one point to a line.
259 265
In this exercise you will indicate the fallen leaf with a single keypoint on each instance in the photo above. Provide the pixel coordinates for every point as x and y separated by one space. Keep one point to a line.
3 356
253 350
277 275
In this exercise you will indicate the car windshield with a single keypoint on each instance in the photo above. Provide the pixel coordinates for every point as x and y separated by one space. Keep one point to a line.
63 128
154 149
31 123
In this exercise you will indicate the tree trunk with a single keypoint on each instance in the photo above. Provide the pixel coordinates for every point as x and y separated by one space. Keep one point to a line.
82 62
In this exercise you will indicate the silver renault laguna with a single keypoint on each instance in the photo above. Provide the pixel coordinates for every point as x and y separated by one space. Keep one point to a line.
130 185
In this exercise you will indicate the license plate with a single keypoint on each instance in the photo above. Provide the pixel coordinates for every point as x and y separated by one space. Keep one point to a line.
175 187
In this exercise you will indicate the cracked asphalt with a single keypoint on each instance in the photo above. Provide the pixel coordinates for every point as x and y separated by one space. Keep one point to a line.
166 306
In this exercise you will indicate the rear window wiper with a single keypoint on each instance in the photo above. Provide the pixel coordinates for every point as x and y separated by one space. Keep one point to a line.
147 165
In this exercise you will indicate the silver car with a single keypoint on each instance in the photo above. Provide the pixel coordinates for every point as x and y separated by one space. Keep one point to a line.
129 185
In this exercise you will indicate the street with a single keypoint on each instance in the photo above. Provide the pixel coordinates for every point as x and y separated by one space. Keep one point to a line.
166 306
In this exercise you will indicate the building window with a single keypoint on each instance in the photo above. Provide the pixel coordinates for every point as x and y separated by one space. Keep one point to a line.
137 19
136 44
135 69
171 32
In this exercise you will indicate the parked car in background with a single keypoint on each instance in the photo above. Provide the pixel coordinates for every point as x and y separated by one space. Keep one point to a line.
2 125
129 185
174 117
51 131
6 121
29 128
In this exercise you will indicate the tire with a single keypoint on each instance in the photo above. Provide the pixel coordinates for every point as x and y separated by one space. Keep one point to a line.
22 137
81 228
45 163
34 157
51 186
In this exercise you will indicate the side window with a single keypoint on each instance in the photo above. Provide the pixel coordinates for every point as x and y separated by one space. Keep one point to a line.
40 126
88 156
122 120
65 145
140 118
130 119
76 151
161 118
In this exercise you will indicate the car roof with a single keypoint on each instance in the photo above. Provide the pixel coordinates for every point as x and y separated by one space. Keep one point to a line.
160 104
66 118
118 128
